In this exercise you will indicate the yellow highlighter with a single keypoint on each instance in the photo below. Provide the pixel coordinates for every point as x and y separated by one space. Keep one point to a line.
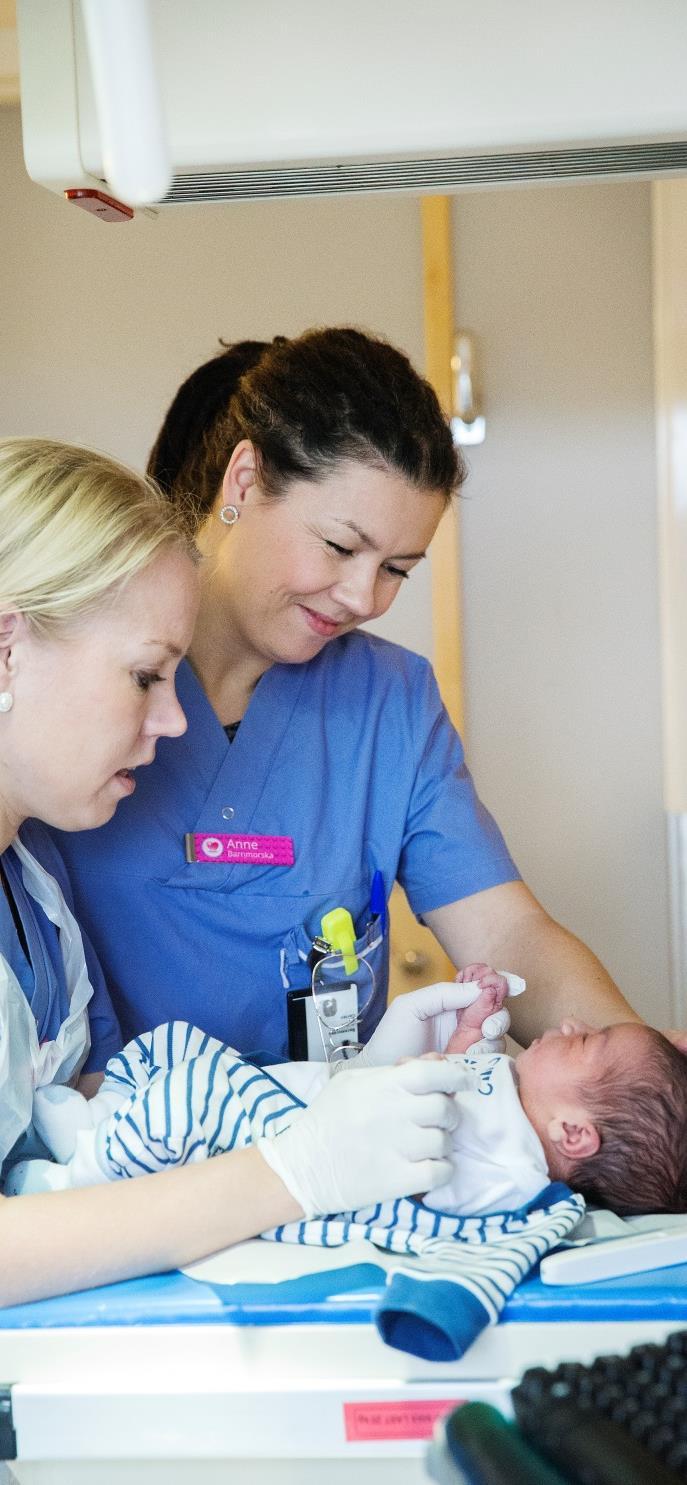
337 928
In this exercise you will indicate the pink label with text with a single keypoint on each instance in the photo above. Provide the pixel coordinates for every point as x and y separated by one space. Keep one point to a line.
395 1420
243 850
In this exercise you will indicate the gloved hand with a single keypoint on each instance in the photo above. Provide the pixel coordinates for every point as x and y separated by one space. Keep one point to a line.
376 1134
418 1022
493 1037
424 1021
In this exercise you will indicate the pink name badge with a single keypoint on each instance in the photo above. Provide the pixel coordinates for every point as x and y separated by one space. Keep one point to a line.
240 850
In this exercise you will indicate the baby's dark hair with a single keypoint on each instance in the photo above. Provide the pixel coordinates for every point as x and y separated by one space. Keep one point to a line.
641 1164
305 404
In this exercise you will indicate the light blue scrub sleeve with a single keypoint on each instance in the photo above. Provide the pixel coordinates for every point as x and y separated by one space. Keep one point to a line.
106 1036
452 847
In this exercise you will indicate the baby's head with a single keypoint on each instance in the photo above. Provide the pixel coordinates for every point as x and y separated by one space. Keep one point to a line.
610 1108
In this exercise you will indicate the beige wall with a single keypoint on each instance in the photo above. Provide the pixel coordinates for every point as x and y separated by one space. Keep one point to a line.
560 567
100 323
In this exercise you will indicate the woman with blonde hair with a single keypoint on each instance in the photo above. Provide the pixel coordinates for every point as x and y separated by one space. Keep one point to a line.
98 596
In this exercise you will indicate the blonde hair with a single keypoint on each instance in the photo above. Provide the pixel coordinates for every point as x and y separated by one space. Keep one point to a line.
74 526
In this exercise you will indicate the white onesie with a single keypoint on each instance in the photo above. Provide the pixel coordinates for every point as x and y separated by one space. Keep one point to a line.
176 1095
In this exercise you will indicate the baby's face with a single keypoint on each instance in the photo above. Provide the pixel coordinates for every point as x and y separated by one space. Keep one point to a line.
562 1061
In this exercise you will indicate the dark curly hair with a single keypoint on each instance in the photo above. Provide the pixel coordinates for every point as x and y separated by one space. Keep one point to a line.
641 1164
305 404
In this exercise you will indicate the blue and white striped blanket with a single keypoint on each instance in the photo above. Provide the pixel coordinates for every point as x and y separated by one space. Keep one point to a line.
455 1274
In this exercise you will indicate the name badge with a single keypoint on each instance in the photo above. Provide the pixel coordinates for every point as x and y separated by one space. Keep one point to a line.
240 850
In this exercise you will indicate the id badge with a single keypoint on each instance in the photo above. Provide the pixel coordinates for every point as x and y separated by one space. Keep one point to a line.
313 1037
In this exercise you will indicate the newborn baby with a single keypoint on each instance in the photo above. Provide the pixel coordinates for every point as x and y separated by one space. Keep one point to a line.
607 1107
604 1111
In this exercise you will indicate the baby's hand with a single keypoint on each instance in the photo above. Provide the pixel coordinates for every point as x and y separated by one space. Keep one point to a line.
493 992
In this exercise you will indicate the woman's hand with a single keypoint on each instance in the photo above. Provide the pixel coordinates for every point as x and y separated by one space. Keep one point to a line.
426 1020
374 1135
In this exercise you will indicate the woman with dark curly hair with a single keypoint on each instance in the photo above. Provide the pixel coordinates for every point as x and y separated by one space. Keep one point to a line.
319 765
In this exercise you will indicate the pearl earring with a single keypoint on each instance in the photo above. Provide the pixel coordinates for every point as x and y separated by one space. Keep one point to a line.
229 514
6 701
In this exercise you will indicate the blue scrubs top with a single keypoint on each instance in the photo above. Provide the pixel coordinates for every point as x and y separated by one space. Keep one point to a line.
41 976
354 758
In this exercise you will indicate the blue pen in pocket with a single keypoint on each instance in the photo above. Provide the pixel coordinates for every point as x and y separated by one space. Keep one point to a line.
378 900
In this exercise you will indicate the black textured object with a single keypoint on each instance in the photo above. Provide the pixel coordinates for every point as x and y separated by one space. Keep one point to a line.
8 1440
621 1418
475 1445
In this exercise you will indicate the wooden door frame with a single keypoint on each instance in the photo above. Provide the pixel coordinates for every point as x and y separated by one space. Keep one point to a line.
409 945
440 328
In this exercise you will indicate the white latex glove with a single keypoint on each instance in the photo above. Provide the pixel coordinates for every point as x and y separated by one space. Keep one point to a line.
493 1034
379 1133
422 1021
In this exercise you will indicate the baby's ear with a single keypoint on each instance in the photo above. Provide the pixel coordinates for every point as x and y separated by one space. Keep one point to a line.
575 1140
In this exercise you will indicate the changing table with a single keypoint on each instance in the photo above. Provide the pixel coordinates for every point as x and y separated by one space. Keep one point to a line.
268 1357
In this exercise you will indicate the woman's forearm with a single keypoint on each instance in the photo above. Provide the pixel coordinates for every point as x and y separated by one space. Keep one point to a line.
564 978
511 930
66 1240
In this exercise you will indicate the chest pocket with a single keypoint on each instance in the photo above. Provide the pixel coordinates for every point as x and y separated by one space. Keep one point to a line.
371 945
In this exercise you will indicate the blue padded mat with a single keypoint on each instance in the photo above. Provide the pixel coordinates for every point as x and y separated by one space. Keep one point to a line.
341 1296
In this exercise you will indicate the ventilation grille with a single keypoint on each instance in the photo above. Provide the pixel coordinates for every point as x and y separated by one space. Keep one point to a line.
447 174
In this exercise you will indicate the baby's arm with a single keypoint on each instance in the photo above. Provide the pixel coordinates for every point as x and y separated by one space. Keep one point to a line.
493 992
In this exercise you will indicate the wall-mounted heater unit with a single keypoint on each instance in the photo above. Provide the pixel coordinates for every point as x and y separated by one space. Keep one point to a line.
275 98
